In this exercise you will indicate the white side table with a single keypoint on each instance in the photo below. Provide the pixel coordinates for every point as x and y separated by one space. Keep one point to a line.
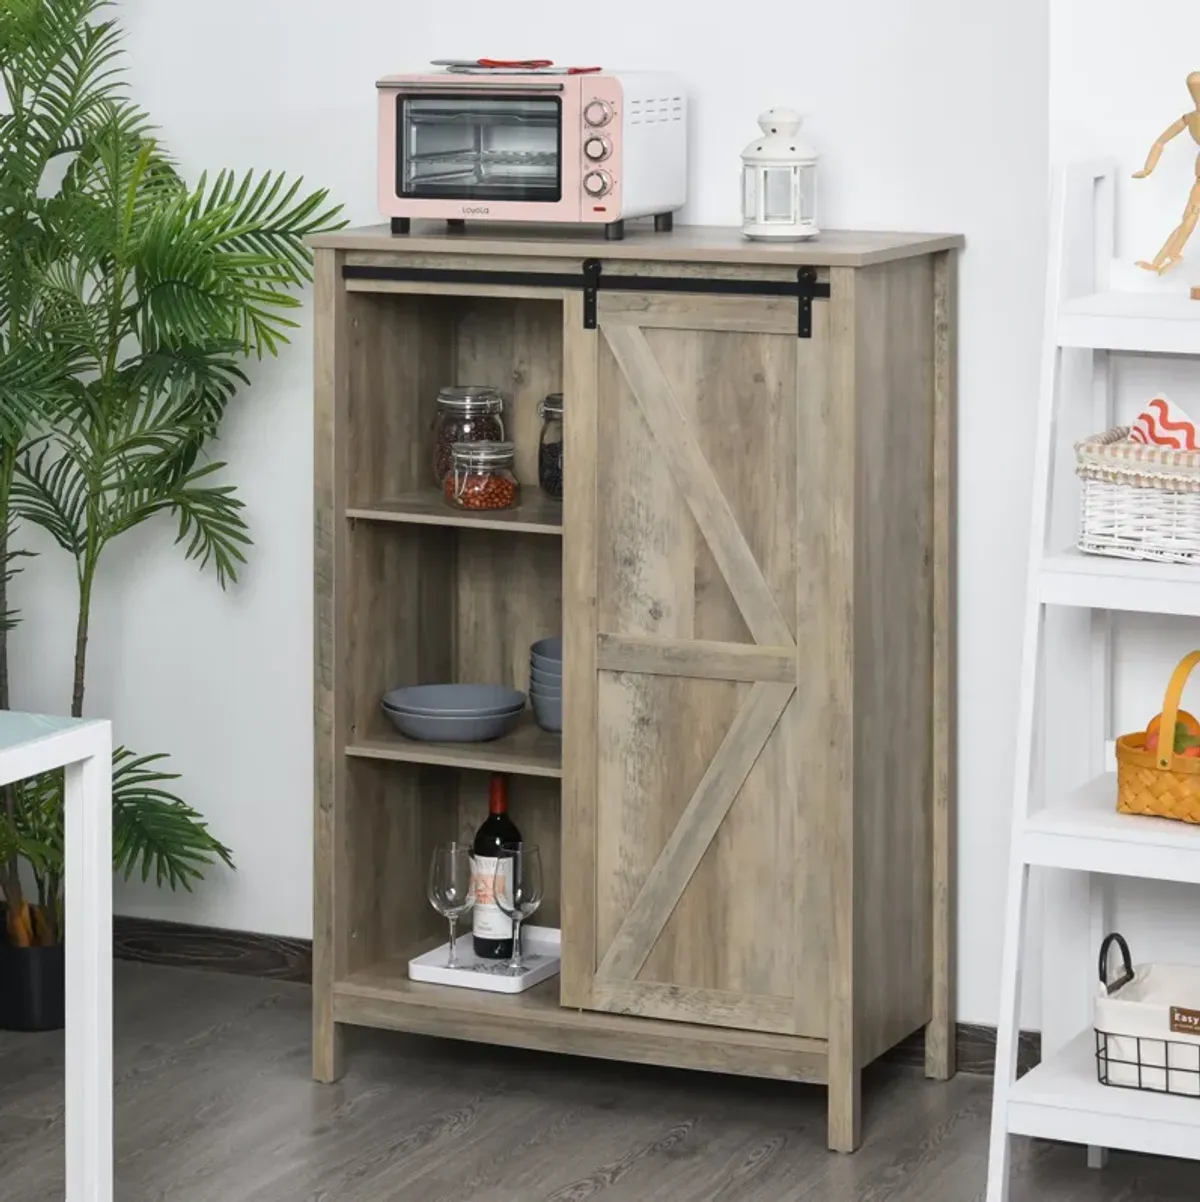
31 744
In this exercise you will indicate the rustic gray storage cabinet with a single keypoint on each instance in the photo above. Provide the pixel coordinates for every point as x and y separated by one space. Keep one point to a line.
747 823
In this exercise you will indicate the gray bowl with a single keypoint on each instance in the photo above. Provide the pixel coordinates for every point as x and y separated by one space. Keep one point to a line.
548 649
542 664
541 676
455 700
548 715
452 730
537 693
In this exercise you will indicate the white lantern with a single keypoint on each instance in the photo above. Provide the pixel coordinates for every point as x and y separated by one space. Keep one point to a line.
779 180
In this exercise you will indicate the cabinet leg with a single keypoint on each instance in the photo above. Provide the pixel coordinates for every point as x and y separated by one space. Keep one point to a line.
327 1052
845 1110
664 223
401 225
614 231
939 1049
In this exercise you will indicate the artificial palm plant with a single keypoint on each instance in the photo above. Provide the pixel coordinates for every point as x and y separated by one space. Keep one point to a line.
128 301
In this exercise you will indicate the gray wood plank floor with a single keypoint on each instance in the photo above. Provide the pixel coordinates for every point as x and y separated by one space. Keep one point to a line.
214 1104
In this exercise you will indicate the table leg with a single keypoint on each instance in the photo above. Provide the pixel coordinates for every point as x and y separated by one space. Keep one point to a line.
88 923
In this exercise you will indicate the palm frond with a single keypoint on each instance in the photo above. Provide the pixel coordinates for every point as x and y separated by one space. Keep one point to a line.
153 830
51 491
210 521
9 571
34 382
206 376
264 217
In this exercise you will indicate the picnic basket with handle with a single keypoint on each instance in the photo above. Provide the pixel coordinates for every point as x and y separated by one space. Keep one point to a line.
1160 783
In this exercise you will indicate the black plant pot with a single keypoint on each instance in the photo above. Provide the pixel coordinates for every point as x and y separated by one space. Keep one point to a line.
32 987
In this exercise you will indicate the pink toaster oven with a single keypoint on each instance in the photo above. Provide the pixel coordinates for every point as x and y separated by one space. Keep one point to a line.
594 148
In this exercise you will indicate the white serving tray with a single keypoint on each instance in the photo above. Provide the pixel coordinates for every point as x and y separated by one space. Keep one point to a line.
542 947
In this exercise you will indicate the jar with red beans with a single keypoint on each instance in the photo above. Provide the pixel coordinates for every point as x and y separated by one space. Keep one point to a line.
482 477
465 413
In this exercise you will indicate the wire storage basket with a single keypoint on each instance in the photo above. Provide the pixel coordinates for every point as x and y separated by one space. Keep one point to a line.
1148 1026
1139 501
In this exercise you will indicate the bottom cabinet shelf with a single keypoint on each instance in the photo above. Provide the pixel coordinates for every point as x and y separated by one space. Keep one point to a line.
1061 1099
383 996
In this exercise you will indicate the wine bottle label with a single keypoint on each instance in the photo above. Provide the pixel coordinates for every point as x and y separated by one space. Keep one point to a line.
487 919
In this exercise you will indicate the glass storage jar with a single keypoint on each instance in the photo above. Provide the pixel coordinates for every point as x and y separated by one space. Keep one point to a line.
465 413
550 447
481 476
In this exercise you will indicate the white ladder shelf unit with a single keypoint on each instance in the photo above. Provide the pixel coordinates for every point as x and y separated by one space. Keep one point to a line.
1064 806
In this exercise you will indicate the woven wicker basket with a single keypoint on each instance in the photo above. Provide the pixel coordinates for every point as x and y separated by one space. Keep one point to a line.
1161 784
1139 502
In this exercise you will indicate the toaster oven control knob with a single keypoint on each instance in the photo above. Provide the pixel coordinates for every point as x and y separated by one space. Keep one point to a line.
597 112
597 148
597 183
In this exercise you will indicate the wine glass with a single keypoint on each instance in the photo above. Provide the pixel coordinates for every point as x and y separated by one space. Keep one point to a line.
517 887
451 888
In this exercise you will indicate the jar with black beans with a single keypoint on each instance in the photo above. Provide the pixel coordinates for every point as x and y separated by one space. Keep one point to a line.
550 447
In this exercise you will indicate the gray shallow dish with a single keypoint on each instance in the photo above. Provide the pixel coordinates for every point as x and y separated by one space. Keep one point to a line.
455 700
548 649
452 730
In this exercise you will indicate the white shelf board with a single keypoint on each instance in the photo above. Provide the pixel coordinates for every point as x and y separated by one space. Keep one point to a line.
1062 1099
1162 322
1084 832
1074 578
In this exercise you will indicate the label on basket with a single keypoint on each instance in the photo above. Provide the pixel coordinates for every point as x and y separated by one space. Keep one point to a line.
1185 1022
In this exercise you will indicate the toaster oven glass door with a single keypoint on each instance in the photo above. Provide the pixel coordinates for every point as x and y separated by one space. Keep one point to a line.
479 147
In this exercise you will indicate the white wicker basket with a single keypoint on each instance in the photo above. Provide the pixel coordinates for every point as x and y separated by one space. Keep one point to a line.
1139 502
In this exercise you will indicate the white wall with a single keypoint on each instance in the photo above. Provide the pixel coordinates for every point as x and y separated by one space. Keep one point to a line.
931 115
1116 82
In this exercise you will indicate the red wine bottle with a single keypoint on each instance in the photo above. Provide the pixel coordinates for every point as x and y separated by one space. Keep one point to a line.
492 928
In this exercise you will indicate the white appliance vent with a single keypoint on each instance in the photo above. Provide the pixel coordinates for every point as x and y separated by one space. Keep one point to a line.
664 108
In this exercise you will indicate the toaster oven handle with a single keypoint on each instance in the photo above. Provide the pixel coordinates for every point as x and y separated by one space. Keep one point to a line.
467 83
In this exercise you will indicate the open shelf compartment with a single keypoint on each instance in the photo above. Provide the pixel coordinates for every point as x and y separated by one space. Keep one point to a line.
403 348
1062 1099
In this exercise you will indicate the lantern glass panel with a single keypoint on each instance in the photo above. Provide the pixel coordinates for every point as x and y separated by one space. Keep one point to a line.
750 193
808 194
778 183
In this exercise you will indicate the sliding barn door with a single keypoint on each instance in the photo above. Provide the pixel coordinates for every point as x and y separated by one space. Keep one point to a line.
693 877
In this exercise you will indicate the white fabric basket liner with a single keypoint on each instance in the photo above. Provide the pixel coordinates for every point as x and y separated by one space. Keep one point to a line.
1137 1021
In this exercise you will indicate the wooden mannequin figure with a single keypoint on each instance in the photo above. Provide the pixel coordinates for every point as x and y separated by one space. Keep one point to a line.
1172 251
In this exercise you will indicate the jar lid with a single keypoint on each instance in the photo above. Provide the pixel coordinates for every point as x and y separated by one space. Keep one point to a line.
470 398
482 454
552 406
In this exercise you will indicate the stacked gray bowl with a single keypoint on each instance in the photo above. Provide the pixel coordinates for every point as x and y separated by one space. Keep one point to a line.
545 683
454 713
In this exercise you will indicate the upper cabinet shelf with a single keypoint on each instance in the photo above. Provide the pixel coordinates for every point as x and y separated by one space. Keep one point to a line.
1132 321
536 514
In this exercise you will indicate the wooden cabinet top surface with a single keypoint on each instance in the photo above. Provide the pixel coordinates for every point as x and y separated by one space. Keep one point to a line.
687 244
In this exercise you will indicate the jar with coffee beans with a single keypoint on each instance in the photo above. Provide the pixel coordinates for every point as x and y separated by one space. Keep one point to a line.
464 413
481 476
550 447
